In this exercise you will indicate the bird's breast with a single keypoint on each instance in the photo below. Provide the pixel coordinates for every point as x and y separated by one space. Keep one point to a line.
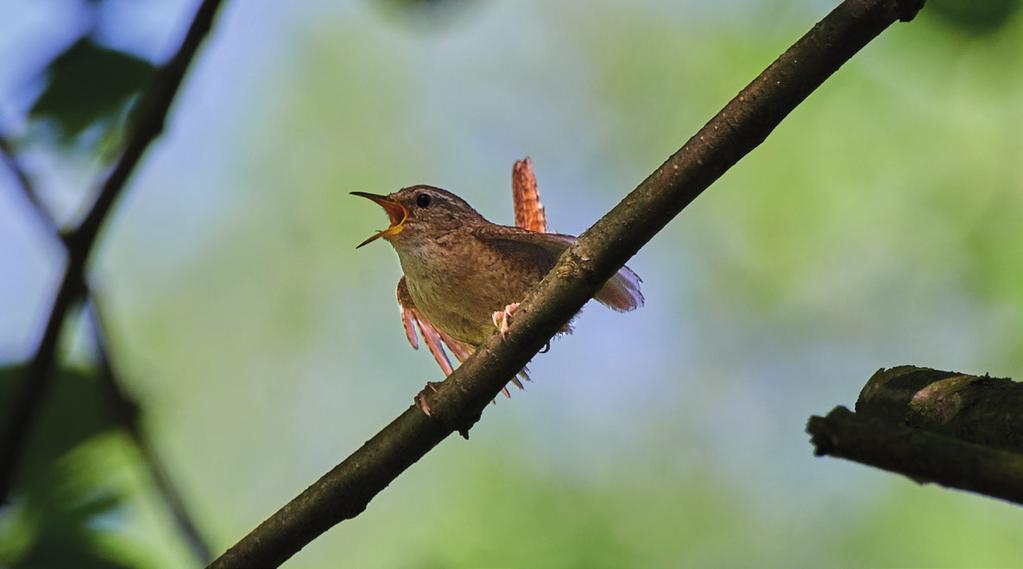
459 285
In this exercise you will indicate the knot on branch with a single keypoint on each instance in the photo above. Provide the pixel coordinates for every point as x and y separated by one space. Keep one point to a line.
580 266
446 407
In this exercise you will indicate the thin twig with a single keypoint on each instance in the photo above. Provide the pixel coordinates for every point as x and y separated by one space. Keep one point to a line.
27 189
151 116
746 121
126 411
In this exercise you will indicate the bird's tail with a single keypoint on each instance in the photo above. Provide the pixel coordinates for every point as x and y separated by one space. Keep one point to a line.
621 292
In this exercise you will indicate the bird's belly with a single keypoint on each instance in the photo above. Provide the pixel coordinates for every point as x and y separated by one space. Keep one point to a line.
463 306
454 310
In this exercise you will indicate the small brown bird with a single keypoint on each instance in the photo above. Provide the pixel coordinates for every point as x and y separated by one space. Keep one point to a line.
464 276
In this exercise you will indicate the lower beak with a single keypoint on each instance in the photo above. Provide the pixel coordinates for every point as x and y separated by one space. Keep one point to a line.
395 211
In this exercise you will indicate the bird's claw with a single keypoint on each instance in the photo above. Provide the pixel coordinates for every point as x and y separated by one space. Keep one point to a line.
502 318
422 399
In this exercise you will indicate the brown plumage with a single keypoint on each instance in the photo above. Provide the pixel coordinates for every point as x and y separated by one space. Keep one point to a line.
463 274
529 212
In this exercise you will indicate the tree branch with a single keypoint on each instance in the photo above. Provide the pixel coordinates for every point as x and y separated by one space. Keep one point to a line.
978 409
921 455
962 431
126 411
150 118
24 183
123 407
746 121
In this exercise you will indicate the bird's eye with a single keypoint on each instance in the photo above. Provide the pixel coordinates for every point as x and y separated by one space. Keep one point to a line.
423 200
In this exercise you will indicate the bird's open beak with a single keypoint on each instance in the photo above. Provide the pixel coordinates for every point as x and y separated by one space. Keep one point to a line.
395 211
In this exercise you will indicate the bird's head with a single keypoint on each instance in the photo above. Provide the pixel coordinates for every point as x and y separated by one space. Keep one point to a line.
421 212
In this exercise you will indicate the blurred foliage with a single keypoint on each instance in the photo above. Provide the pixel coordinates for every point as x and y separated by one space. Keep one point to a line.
419 4
61 498
976 17
878 223
430 14
89 84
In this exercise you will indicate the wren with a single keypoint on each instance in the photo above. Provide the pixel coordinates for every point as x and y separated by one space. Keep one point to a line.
464 276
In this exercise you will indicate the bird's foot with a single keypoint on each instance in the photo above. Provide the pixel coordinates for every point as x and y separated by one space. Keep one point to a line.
422 399
502 318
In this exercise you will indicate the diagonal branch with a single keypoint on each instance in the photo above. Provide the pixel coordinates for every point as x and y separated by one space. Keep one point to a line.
150 117
24 184
746 121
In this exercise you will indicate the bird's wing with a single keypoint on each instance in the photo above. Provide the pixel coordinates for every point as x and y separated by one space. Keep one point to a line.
621 292
529 213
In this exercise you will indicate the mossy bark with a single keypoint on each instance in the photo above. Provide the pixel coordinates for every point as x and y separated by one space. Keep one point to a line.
957 430
978 409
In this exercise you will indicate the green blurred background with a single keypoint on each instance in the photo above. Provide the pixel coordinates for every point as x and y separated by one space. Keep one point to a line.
879 225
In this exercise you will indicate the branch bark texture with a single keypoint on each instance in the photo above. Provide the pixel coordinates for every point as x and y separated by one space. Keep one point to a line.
958 430
922 455
978 409
149 122
599 252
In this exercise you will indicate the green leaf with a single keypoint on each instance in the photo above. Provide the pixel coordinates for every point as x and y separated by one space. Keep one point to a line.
62 498
60 523
75 410
88 84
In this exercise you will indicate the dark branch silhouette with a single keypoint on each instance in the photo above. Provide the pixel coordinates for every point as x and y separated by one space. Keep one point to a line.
743 124
147 126
921 455
24 184
957 430
123 407
126 412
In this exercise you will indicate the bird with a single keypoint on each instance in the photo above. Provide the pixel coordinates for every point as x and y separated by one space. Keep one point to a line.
464 276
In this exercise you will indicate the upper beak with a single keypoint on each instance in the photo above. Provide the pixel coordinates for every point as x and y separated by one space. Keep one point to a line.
395 211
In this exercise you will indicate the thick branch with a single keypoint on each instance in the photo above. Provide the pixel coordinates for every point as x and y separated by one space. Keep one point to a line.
152 113
745 122
963 431
978 409
921 455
